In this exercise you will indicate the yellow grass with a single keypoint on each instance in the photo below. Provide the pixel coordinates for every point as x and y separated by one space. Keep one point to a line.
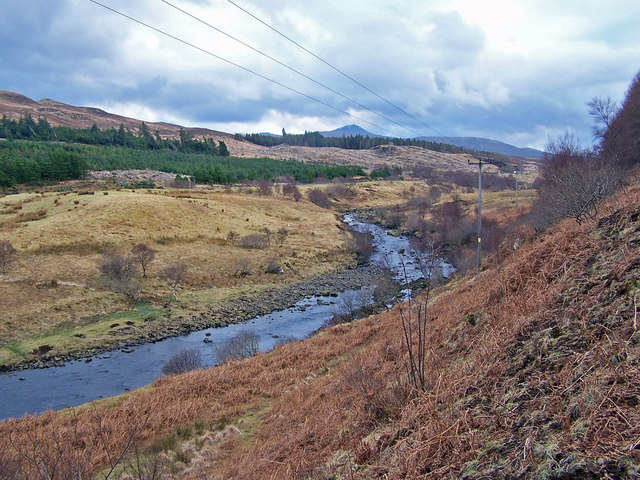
55 282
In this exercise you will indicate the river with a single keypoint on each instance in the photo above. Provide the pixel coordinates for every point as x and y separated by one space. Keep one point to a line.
115 372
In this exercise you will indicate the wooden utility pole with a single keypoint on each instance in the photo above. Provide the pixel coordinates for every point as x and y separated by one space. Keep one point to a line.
479 163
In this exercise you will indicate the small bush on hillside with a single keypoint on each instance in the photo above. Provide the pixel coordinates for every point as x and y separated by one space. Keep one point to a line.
182 362
361 244
243 268
254 240
320 198
243 345
7 255
117 272
273 266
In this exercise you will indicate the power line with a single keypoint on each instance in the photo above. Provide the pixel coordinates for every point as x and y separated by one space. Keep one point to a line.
287 66
336 69
264 77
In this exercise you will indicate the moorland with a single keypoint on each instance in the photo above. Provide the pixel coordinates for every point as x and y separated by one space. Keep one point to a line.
526 366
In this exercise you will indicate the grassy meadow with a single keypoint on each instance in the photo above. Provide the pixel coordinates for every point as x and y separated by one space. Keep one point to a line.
53 293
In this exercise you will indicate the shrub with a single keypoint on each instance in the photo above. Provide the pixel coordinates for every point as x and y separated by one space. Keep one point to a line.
361 244
243 268
182 362
243 345
117 267
273 266
7 255
174 274
320 198
254 240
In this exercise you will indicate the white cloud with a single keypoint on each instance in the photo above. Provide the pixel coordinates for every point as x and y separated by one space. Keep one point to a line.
513 71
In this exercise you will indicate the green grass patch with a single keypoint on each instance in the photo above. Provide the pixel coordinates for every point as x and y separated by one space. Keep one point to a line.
73 337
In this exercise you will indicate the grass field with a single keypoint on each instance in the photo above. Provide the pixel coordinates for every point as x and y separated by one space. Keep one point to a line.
53 293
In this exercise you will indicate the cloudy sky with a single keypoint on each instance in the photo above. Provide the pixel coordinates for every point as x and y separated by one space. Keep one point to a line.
516 71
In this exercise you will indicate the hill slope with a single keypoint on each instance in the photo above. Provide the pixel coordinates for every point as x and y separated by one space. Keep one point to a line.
533 371
15 105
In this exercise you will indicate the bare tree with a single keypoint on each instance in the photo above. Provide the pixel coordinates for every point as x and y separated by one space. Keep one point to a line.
143 255
243 345
7 255
603 111
575 181
182 362
265 187
174 274
361 244
350 302
282 235
290 189
414 325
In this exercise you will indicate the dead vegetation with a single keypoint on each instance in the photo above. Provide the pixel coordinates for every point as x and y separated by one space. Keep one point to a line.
531 371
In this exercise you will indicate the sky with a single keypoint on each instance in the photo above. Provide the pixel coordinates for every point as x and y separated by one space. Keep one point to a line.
520 71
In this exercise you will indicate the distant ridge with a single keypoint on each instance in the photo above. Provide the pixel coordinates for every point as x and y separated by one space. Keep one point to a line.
487 145
471 143
15 105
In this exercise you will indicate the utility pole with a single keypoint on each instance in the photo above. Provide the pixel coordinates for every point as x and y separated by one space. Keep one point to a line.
479 163
515 172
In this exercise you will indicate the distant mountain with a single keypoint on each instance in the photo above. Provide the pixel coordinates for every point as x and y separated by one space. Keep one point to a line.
487 145
350 131
471 143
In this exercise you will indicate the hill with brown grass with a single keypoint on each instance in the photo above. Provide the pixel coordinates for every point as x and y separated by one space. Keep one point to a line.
15 105
532 371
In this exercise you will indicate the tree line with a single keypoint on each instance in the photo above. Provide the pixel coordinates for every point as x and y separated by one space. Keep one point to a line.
33 162
574 180
26 128
352 142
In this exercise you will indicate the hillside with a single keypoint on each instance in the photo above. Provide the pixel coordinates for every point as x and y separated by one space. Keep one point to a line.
532 371
15 105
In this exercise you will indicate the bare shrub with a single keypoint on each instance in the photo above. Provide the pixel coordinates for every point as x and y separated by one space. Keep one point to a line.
350 303
416 223
265 188
386 288
182 362
394 218
232 237
254 240
243 268
117 267
7 255
361 244
282 235
144 255
243 345
117 272
317 196
174 275
576 181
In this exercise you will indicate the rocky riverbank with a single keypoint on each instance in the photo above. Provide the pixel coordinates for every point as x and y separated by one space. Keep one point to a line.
235 311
